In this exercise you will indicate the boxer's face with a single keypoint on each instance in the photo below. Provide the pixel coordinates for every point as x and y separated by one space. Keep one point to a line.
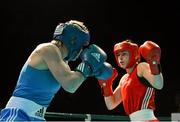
123 59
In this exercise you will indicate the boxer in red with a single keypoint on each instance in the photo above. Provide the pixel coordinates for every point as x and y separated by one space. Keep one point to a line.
136 89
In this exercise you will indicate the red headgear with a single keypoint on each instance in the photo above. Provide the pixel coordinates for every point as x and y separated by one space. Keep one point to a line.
132 48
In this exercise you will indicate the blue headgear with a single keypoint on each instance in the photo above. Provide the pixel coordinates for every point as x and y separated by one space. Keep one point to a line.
74 36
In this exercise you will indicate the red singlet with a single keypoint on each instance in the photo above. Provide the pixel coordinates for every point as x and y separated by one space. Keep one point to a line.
135 94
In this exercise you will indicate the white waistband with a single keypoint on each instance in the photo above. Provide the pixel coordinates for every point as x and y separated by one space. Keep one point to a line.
142 115
31 108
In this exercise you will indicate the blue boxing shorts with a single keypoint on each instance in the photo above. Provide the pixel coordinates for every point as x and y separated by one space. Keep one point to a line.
21 109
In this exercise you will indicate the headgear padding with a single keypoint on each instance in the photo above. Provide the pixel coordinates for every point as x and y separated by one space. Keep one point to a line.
132 48
74 35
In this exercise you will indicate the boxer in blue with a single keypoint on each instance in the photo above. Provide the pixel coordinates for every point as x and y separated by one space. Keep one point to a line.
46 71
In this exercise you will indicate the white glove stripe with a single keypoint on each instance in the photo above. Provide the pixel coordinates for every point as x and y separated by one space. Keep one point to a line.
81 67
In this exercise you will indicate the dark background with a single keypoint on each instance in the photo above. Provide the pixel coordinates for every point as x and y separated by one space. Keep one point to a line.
24 24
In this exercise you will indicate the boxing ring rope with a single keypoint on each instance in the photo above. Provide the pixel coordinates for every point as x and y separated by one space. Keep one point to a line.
90 117
53 116
86 117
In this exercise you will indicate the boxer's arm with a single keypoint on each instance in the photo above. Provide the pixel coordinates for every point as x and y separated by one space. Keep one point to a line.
69 80
143 70
151 70
114 100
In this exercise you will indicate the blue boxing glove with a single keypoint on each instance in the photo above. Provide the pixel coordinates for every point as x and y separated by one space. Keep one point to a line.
104 72
94 57
84 69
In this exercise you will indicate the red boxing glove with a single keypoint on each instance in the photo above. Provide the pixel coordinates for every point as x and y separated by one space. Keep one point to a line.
151 52
106 85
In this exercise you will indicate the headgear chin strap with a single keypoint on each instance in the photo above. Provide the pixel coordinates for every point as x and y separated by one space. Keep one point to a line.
74 35
132 48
